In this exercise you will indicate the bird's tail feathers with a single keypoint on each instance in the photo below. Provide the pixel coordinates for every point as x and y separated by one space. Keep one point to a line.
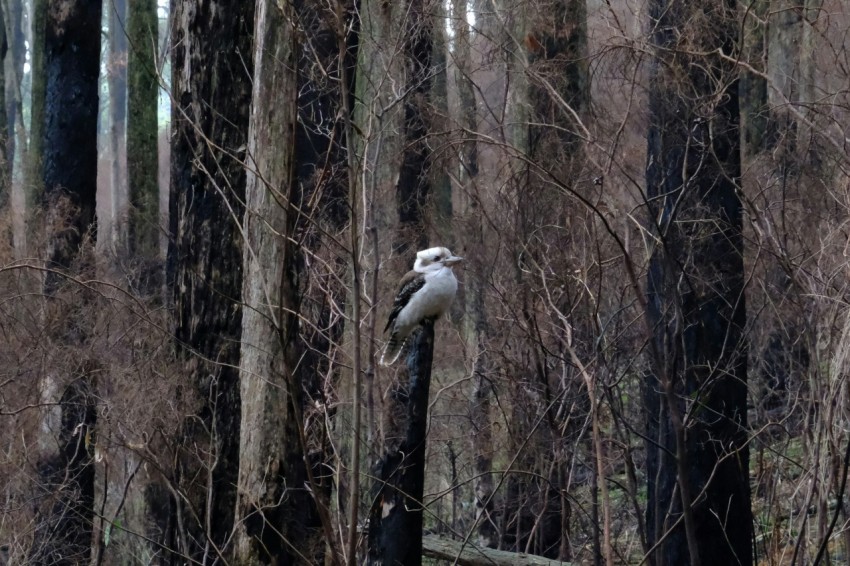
392 350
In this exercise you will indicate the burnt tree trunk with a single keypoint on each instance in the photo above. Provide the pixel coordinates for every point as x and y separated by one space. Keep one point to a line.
72 62
698 508
211 85
395 519
66 469
63 534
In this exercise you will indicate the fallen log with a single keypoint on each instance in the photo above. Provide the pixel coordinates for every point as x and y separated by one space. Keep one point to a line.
472 555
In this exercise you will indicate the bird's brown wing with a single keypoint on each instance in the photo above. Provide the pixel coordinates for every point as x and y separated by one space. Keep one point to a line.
410 283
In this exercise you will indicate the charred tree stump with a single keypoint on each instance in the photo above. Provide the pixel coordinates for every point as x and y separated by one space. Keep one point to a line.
395 519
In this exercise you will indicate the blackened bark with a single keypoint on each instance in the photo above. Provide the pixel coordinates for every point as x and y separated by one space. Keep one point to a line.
64 532
697 392
557 52
72 59
211 85
414 186
395 519
72 63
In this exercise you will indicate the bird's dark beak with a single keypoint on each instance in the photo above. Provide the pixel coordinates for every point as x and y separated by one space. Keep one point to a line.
453 260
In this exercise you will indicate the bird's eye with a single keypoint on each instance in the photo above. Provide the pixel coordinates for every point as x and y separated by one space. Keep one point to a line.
436 258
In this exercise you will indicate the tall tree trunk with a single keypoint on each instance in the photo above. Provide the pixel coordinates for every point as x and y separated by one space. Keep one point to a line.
808 76
211 85
414 186
395 49
16 147
481 438
698 508
33 168
440 180
142 130
753 89
276 510
549 98
5 166
66 471
117 80
392 175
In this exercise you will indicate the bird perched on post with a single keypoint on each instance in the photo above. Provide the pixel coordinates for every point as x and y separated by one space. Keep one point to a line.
425 292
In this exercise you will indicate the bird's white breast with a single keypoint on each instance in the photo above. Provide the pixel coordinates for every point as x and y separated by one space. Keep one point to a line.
432 300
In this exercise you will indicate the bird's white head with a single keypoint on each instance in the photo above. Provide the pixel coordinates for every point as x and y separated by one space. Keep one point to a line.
434 259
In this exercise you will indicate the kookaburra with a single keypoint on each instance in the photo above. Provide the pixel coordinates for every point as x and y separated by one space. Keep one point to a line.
425 292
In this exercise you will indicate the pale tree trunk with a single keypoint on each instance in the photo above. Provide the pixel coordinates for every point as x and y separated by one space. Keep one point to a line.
785 37
117 80
276 512
5 169
379 119
753 86
481 439
808 75
15 144
142 130
32 180
414 186
439 173
783 70
378 112
13 11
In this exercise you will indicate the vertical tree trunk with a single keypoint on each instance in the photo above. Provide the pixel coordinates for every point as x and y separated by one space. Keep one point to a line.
696 396
276 511
395 519
211 85
753 89
440 180
117 80
72 65
476 322
17 143
5 166
414 186
32 183
548 99
142 130
393 86
72 57
377 113
809 75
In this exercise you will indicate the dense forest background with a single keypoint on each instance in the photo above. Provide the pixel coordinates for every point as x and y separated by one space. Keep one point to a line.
205 206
